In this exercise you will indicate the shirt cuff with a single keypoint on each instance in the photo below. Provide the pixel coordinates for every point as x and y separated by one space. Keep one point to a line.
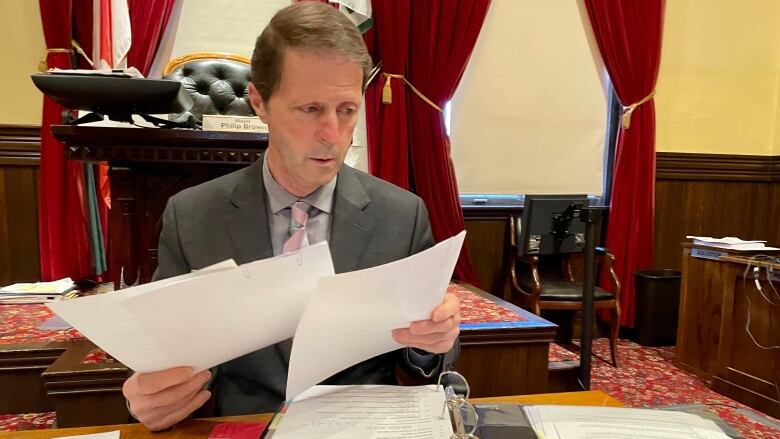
424 363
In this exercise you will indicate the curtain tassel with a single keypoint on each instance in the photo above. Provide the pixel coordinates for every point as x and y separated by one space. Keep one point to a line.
387 91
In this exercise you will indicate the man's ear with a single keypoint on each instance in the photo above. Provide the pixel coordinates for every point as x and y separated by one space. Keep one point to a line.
257 102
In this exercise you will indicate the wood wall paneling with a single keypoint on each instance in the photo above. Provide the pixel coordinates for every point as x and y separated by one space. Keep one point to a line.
488 235
19 176
714 195
701 194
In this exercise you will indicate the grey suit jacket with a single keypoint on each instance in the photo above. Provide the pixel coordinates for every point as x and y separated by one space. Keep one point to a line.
373 222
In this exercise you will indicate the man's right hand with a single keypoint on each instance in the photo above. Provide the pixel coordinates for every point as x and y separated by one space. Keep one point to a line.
161 399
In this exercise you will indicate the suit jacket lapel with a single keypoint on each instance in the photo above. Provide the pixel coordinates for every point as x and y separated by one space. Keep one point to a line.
248 227
350 224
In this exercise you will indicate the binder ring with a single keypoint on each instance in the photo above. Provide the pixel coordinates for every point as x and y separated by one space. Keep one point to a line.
462 378
454 403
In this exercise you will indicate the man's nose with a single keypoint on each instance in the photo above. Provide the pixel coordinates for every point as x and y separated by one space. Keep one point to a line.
328 130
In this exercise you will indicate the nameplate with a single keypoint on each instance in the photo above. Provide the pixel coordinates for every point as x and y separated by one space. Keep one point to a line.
220 122
703 253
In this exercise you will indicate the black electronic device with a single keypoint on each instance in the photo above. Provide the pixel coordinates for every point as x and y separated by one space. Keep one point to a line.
115 97
559 224
549 226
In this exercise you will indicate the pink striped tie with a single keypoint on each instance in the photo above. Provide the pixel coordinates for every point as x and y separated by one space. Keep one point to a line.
299 213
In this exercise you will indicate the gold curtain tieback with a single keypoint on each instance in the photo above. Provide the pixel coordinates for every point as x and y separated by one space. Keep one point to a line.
80 51
387 92
628 110
43 64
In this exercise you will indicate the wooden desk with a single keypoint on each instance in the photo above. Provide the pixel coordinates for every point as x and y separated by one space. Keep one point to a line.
711 339
506 359
21 365
201 428
509 358
86 393
25 352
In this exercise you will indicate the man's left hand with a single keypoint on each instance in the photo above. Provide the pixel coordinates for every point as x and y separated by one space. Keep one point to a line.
436 335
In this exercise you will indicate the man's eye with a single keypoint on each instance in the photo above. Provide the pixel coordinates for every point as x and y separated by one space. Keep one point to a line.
348 111
310 109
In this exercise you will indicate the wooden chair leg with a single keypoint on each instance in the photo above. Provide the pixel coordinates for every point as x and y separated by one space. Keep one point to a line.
613 336
573 326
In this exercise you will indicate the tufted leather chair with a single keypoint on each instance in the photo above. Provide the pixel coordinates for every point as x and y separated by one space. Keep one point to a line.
217 83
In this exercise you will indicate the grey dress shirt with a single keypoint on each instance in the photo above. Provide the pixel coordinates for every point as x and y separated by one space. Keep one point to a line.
279 202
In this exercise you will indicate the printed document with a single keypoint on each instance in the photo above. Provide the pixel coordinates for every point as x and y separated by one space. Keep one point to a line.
367 411
581 422
350 316
204 318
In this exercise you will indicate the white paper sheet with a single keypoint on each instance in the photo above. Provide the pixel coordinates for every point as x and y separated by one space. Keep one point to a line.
204 318
731 243
575 422
107 435
350 316
378 412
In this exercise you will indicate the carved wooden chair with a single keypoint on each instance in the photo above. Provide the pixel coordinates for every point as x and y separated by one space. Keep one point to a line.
562 292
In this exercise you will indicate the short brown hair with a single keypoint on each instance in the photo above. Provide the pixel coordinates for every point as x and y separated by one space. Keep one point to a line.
305 25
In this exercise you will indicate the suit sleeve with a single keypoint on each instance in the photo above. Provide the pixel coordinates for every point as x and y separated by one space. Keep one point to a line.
426 366
422 239
170 256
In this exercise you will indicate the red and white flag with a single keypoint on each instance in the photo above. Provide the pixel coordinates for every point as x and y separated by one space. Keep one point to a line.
110 33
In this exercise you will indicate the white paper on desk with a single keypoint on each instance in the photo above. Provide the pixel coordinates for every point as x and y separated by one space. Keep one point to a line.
107 435
368 411
350 316
204 318
575 422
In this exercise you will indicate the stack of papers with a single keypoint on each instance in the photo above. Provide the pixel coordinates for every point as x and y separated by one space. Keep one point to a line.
219 313
731 243
130 72
367 411
575 422
36 292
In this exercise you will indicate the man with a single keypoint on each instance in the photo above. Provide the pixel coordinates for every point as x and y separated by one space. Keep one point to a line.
308 70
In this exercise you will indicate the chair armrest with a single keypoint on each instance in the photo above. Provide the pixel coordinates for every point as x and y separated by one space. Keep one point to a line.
608 259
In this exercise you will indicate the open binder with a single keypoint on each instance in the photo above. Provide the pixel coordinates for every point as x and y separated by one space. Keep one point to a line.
442 411
380 411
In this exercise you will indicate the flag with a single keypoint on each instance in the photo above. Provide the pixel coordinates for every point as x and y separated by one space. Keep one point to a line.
111 40
359 11
110 33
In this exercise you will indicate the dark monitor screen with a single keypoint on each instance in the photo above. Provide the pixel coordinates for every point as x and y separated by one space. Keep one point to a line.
535 232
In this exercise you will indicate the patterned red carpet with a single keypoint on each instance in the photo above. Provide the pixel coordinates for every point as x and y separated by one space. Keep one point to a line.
646 378
30 421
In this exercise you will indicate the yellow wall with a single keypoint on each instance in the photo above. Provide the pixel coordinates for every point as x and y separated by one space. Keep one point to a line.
21 47
717 90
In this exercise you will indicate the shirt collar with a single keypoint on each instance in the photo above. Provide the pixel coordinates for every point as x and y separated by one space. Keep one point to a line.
279 198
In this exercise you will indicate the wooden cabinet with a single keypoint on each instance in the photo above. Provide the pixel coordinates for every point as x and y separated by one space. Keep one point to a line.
712 338
148 166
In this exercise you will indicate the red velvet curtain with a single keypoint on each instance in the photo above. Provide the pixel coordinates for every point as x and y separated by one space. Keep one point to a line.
62 218
386 126
434 38
148 20
629 34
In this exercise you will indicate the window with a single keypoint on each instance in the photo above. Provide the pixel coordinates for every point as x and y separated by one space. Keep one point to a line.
530 114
